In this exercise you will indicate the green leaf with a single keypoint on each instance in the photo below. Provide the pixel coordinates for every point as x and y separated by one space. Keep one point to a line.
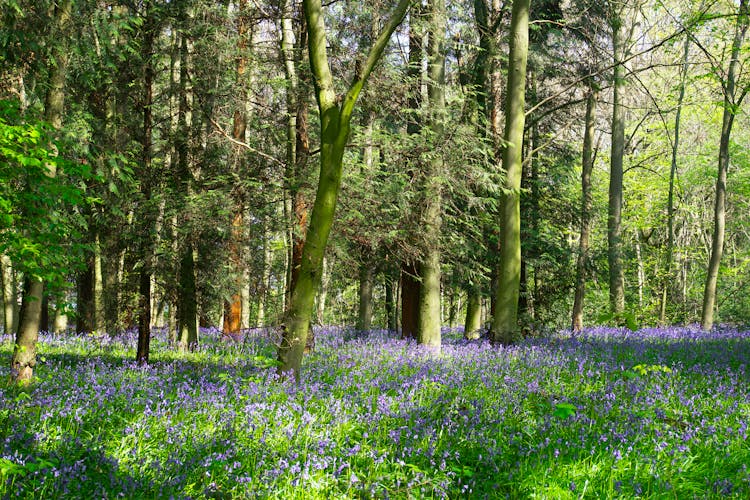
564 410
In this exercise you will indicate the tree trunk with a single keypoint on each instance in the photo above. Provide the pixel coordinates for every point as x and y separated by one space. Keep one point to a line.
335 119
390 304
60 320
187 300
30 315
641 269
98 292
429 320
731 107
473 321
148 220
233 306
587 203
262 291
410 284
9 294
614 219
320 304
297 145
409 300
505 321
669 275
366 283
85 298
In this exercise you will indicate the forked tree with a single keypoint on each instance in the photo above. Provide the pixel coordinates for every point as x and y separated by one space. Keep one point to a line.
335 127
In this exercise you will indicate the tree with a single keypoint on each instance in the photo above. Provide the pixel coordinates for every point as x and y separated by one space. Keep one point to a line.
669 253
428 325
620 42
732 102
335 119
30 315
147 180
505 321
586 208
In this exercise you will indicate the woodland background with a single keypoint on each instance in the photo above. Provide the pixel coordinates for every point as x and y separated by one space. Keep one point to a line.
159 162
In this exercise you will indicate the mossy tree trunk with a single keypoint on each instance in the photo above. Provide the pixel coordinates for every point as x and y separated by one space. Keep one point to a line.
335 118
505 319
429 319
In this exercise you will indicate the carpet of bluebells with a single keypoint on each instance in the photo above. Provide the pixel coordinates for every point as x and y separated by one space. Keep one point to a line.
658 413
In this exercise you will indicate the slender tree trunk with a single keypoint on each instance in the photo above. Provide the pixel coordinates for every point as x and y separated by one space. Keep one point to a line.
30 315
148 219
9 294
473 321
233 306
452 306
731 106
505 320
60 320
641 269
409 300
187 300
390 304
335 119
614 220
366 284
669 275
85 298
99 322
410 285
587 204
265 279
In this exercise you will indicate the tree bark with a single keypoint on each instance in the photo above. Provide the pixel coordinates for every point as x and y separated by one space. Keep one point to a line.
731 107
429 320
410 284
233 306
265 279
617 152
335 119
409 300
587 203
390 304
85 298
148 219
473 322
505 320
9 294
366 283
187 300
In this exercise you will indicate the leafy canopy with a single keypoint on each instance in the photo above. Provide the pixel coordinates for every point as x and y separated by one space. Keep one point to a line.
41 197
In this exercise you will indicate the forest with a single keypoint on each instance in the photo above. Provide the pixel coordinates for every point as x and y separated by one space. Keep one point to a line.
374 249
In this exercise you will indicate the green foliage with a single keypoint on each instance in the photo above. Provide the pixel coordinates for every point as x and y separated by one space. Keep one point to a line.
625 319
42 194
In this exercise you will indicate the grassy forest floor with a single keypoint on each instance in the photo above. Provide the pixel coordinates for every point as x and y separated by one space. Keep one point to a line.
658 413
